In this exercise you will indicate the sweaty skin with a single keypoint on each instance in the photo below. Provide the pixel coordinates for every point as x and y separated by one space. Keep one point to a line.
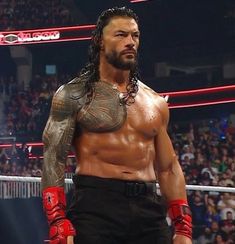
137 150
127 153
134 148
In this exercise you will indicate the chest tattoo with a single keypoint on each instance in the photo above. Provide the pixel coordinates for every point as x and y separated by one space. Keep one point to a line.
105 112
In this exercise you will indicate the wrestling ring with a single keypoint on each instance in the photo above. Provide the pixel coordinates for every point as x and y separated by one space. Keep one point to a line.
26 187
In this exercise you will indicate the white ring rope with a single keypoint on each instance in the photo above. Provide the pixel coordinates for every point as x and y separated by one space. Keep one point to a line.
69 181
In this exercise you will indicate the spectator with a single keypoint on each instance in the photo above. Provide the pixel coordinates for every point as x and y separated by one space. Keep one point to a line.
198 208
30 14
228 224
206 174
215 230
3 155
219 239
23 153
206 177
226 204
226 179
211 212
206 237
187 151
14 153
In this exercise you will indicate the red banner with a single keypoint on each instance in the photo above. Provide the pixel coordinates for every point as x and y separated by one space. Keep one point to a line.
61 34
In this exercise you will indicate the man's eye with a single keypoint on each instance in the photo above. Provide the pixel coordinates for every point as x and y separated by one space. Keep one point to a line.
120 34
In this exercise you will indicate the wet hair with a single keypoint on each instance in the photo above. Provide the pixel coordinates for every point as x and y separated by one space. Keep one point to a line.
90 73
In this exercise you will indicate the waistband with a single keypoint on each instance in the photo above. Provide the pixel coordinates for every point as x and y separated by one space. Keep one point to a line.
126 187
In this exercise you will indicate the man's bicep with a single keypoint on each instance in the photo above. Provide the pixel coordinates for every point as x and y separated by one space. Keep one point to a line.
165 154
57 138
58 135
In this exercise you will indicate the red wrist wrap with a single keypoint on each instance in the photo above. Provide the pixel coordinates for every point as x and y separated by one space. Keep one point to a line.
180 214
54 203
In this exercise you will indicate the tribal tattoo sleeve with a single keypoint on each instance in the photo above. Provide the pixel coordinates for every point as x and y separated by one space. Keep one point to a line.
58 135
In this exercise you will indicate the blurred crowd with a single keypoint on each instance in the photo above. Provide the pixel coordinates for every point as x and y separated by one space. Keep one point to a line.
25 111
19 161
205 149
30 14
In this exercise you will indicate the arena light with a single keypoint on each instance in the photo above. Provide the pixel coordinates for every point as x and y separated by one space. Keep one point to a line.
36 36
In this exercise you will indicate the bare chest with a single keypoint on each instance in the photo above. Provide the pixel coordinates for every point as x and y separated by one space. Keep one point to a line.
143 116
105 113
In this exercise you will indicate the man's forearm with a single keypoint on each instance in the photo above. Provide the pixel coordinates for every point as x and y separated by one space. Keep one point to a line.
52 173
172 186
172 183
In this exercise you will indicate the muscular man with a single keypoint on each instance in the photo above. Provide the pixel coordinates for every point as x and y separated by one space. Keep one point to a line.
118 127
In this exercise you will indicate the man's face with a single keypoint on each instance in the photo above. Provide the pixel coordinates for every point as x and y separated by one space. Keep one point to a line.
229 215
214 226
120 41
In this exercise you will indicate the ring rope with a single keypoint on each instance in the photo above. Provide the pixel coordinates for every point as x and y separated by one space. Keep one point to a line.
69 181
199 91
200 104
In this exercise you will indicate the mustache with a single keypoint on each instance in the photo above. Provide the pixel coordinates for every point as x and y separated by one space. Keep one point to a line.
129 50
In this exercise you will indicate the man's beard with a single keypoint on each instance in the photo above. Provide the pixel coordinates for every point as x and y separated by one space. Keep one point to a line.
115 59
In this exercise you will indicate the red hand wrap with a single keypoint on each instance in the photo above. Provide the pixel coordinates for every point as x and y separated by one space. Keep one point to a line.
180 214
54 203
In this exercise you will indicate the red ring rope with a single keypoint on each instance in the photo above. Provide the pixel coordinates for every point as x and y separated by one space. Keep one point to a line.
200 91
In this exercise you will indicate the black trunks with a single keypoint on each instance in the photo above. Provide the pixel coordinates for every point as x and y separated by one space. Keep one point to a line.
111 211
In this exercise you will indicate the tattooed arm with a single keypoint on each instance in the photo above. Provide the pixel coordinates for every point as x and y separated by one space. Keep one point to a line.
57 138
59 131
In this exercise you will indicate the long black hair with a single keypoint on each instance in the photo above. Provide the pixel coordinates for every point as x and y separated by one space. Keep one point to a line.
90 73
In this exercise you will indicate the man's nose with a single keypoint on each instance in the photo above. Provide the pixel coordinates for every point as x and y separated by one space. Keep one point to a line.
130 41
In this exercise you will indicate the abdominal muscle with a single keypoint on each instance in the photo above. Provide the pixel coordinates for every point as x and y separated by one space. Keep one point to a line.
118 155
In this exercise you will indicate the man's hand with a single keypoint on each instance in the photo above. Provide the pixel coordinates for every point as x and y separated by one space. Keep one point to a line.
180 239
60 231
54 205
70 240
